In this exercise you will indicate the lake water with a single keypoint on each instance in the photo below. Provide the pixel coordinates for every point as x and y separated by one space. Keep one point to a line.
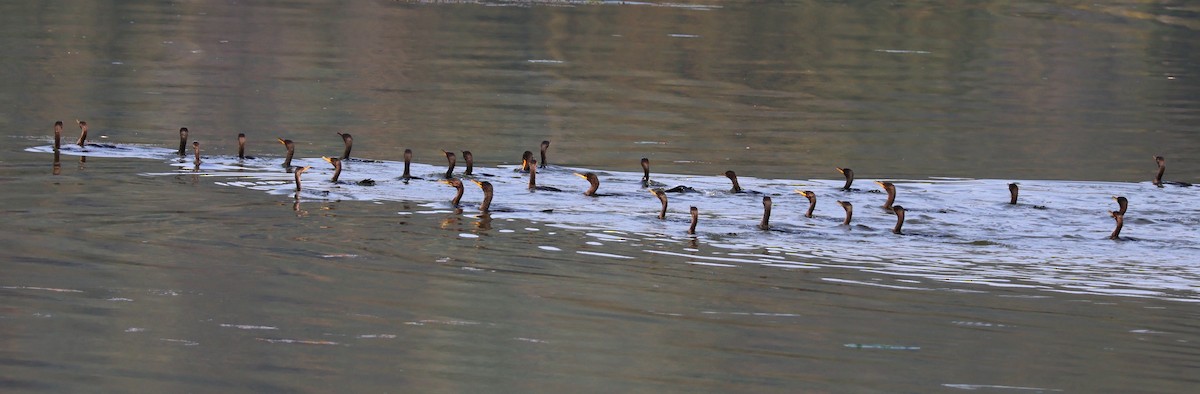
128 268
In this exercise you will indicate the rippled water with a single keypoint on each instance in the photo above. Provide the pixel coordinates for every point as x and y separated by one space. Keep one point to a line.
127 268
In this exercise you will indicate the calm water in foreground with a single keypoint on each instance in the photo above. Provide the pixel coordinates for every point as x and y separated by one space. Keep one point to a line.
126 269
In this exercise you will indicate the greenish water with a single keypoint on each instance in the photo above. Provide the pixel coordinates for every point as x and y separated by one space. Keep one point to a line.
119 278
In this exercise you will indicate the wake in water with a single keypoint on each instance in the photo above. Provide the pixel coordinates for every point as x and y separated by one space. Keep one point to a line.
956 230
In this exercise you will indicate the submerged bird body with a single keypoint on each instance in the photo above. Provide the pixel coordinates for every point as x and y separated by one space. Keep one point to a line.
733 178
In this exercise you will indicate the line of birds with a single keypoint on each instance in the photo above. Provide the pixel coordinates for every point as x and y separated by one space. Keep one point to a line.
530 165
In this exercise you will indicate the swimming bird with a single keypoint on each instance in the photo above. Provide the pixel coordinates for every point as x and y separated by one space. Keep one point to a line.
291 150
765 224
300 170
545 145
593 180
733 178
470 159
662 196
525 158
849 211
349 141
812 202
1013 190
487 195
183 134
450 159
337 167
458 186
899 210
83 129
58 126
1162 168
1122 204
695 219
533 166
241 146
891 192
1120 219
645 172
849 174
407 162
196 147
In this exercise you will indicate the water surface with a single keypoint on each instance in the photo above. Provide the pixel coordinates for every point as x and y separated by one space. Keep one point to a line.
126 269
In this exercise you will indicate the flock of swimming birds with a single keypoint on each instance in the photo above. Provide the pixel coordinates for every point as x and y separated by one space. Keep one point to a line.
530 166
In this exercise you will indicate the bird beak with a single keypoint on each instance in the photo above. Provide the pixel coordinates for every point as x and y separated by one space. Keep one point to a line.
281 141
841 170
327 160
480 184
581 175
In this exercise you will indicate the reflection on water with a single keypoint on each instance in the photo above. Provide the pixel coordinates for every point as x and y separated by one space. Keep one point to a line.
143 270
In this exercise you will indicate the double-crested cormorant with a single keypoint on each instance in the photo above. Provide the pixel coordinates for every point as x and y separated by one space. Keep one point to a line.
487 195
812 202
1120 219
849 211
662 196
407 162
298 171
533 166
83 136
458 185
450 160
1162 168
291 150
58 126
849 174
645 172
337 167
196 147
545 145
470 159
241 146
349 141
525 158
899 210
183 134
695 219
733 178
1013 190
766 220
1122 204
593 180
891 192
